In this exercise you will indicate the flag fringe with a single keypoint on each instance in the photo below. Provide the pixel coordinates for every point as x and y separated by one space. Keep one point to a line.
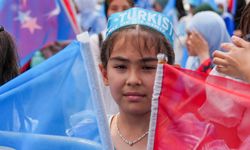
154 106
96 95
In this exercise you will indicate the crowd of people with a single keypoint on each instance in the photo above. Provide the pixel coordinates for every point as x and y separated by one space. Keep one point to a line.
125 44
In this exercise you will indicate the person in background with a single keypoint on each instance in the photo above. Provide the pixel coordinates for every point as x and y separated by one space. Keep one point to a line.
9 68
236 62
240 5
88 17
179 42
228 18
206 31
159 5
44 53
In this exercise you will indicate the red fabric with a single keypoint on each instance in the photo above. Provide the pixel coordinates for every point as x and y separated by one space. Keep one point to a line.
197 111
230 5
206 66
25 67
71 15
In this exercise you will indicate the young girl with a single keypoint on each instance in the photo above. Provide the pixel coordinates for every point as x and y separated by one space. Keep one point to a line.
128 56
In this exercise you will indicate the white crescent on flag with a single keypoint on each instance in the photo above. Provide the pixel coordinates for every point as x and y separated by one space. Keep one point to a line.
55 11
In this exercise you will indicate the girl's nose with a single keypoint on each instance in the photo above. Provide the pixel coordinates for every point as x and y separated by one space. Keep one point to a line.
134 78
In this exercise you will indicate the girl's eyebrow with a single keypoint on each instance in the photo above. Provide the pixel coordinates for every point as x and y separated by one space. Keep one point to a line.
119 58
143 60
148 59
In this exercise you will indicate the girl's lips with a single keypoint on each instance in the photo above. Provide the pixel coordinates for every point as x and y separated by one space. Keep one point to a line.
134 96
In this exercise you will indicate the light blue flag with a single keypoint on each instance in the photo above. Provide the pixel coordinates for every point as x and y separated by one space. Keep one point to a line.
171 12
29 141
58 97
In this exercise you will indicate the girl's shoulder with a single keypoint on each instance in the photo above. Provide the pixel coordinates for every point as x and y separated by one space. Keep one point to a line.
110 119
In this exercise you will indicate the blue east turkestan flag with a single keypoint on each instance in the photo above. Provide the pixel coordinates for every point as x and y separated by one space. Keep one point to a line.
34 23
58 97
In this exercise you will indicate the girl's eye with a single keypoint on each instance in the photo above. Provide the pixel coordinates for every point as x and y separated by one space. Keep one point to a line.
120 67
148 68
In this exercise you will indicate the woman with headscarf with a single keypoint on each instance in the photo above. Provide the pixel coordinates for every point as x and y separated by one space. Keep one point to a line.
206 31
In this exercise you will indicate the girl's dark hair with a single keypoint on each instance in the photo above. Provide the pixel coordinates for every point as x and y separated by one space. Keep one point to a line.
8 58
244 25
107 2
141 37
241 4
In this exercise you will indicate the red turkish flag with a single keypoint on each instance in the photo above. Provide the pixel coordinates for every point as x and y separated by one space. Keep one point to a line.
196 111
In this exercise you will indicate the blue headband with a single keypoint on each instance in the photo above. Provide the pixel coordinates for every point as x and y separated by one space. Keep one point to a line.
143 17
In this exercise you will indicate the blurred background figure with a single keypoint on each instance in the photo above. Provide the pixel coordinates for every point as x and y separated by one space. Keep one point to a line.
244 24
44 53
8 57
159 5
235 8
206 31
228 18
235 62
48 51
88 16
181 54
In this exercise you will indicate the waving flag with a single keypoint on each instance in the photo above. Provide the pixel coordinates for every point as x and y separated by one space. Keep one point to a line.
16 140
191 110
171 12
232 6
35 23
58 97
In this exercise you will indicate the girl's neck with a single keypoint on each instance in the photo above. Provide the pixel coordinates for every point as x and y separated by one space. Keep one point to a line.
131 122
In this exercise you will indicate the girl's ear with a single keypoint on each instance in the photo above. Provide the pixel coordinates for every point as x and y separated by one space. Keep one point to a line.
104 74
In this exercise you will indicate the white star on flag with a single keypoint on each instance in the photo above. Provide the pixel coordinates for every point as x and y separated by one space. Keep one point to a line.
31 25
23 16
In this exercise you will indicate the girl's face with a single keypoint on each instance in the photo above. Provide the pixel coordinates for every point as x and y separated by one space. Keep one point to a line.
117 6
130 75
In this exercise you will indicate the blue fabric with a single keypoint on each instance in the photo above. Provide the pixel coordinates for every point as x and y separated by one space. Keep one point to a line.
170 12
46 98
140 16
212 27
170 5
184 57
33 25
228 19
27 141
